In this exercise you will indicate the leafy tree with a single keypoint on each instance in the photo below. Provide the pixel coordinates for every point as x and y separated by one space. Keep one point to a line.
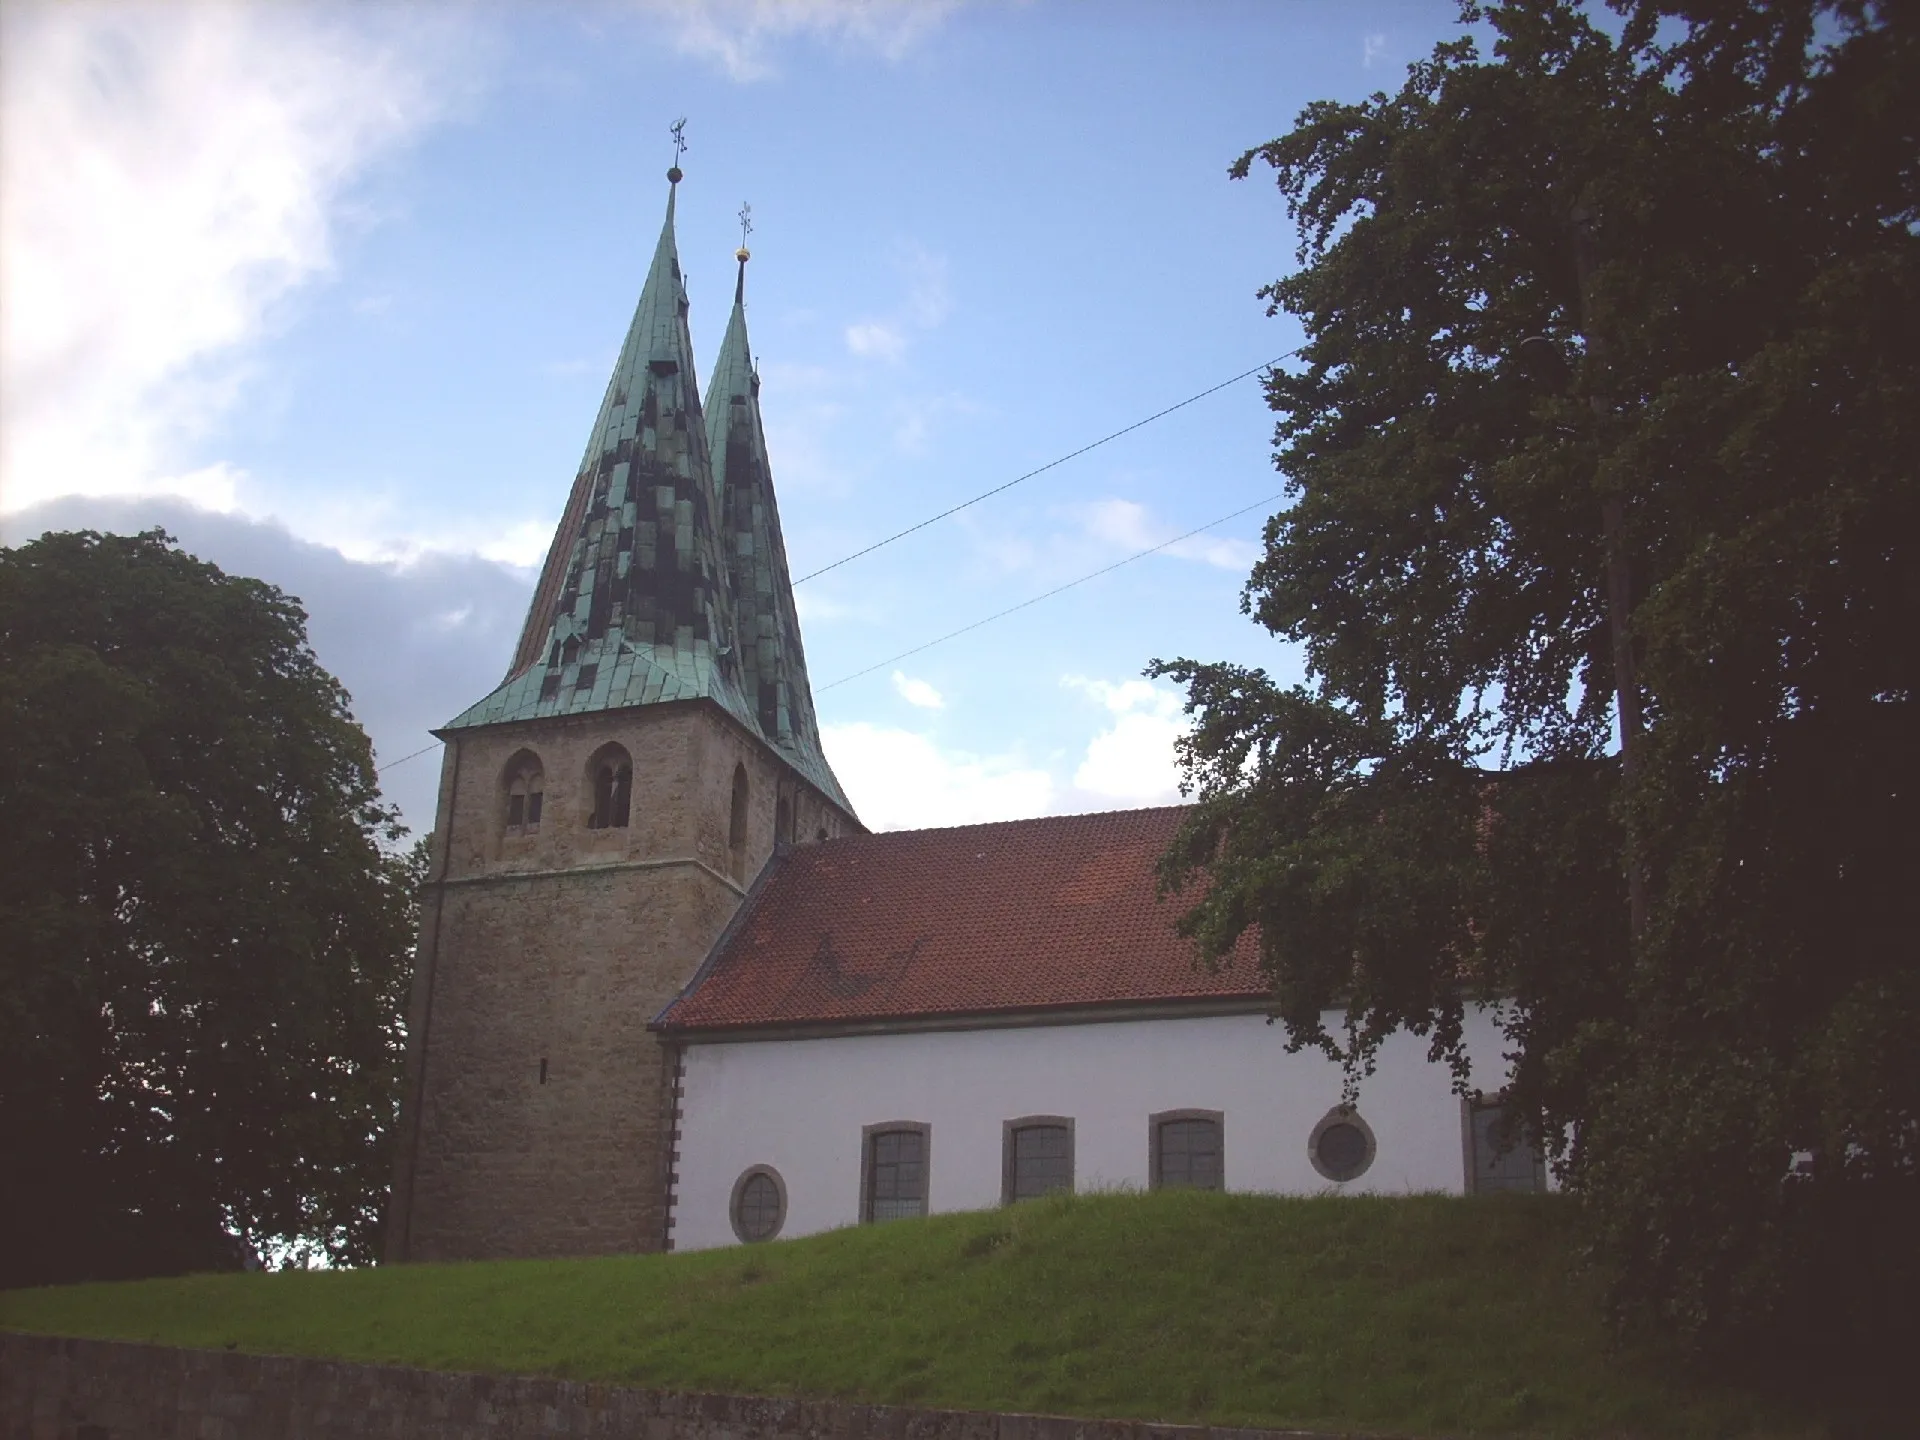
1611 393
207 926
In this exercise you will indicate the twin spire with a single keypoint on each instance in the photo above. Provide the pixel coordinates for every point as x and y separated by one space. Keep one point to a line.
667 578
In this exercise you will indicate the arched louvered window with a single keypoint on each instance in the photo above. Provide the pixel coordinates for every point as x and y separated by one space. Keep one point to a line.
524 787
610 782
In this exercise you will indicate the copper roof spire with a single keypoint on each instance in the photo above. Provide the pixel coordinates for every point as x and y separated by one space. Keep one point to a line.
632 604
773 664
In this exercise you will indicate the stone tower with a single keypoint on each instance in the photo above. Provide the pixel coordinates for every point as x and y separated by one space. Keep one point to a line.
602 814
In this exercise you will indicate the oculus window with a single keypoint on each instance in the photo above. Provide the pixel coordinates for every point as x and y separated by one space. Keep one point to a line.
1188 1149
1341 1146
894 1171
1036 1157
759 1205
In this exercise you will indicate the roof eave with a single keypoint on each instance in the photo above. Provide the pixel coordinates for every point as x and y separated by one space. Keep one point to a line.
1099 1012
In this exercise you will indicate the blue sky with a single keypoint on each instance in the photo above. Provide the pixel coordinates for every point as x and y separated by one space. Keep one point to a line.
333 292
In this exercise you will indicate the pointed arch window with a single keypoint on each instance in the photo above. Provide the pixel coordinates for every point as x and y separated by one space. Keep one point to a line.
525 790
610 782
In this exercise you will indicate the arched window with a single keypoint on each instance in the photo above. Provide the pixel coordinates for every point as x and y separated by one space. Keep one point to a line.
610 782
737 819
525 789
1186 1148
1036 1157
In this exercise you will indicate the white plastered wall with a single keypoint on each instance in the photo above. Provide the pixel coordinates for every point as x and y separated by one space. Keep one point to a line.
800 1106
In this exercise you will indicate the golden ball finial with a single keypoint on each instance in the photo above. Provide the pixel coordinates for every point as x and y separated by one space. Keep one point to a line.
743 254
673 175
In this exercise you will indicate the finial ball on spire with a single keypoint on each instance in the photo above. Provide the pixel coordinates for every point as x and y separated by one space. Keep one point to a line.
743 254
679 132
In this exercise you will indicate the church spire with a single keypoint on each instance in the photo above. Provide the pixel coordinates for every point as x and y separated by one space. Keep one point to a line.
773 666
632 605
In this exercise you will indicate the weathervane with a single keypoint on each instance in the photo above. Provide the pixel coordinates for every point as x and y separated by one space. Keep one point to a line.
679 132
746 229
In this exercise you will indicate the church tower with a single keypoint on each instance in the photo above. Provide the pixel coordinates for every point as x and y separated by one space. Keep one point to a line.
602 814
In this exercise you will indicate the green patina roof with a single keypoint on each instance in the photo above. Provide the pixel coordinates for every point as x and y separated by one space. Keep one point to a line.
773 663
655 588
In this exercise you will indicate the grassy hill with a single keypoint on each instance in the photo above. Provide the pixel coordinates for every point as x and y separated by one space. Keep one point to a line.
1418 1315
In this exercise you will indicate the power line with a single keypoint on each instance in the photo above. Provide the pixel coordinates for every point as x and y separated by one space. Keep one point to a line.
392 764
1058 589
987 495
1095 445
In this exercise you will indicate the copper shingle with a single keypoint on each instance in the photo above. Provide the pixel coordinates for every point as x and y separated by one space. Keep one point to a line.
1023 915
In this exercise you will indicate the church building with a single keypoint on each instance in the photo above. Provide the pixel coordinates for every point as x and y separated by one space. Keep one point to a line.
670 993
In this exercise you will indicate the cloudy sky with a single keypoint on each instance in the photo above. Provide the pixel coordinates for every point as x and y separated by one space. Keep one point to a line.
332 293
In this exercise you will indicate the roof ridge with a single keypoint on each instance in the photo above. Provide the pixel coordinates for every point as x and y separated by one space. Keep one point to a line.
1007 824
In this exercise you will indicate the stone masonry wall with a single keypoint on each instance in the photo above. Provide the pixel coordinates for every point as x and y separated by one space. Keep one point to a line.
60 1389
536 1118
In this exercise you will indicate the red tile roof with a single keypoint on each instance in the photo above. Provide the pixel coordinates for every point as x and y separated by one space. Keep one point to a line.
1028 914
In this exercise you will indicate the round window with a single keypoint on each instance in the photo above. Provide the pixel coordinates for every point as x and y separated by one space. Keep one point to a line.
759 1204
1341 1146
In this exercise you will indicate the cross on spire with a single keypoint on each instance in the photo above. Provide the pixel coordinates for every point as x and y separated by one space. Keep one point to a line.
679 132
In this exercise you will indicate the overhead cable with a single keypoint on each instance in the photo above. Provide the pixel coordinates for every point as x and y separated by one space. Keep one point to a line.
404 758
1048 595
1018 479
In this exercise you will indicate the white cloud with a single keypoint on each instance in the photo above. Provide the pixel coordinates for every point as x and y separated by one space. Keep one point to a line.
876 339
898 779
737 34
1128 525
1133 758
168 176
926 303
816 606
1372 47
917 417
928 300
918 692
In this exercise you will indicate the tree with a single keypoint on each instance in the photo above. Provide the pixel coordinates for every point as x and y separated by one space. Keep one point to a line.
1611 392
208 924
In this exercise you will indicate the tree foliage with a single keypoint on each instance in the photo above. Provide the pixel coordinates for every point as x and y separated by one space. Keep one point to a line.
1440 812
207 925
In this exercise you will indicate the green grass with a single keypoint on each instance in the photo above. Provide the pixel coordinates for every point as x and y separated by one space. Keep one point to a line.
1418 1315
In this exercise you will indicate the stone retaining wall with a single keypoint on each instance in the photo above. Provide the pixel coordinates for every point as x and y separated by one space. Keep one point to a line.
53 1388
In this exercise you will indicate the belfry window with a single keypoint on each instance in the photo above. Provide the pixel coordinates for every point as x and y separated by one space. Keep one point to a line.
525 789
610 775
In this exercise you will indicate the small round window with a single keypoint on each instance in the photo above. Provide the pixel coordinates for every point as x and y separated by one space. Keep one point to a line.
759 1206
1342 1145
